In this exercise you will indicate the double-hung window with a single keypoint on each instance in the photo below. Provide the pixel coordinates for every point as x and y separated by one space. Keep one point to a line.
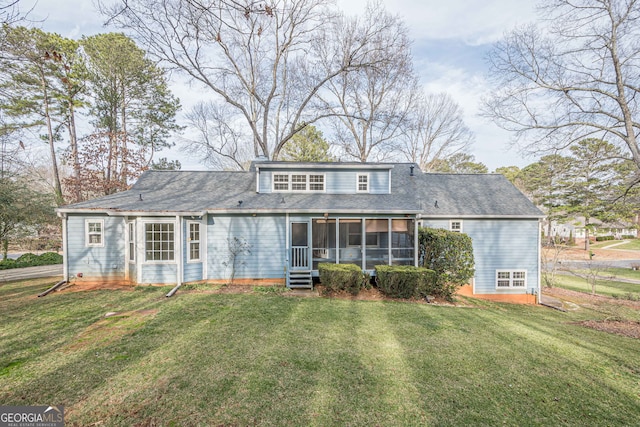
194 241
455 225
159 241
94 232
132 240
280 182
362 183
508 279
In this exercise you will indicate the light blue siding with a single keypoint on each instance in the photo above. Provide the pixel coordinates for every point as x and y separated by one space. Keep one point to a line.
192 270
164 273
105 262
265 235
337 181
500 245
133 272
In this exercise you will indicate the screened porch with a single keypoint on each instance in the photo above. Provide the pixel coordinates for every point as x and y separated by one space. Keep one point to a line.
364 242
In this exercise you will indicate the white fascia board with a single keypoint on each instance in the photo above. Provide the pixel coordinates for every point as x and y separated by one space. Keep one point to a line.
312 166
248 211
456 216
110 212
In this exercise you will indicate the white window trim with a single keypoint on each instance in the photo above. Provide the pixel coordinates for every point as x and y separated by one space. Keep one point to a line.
358 175
511 279
176 244
273 183
132 254
307 182
452 221
86 233
189 241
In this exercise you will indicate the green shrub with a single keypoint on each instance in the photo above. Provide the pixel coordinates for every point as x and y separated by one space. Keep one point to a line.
49 258
603 238
628 237
405 281
342 277
31 260
28 258
6 264
450 255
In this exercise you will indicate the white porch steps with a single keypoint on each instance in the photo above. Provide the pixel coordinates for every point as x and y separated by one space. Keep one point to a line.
300 279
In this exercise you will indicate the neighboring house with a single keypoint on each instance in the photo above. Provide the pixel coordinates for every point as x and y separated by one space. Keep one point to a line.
281 219
577 230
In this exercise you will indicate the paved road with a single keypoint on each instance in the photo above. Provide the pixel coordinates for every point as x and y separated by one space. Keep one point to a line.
31 272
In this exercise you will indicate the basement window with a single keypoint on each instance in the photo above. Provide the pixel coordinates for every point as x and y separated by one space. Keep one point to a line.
511 279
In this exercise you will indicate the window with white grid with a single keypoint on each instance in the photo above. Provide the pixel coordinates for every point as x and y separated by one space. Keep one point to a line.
455 225
298 182
94 232
507 279
281 182
316 182
362 183
194 241
159 241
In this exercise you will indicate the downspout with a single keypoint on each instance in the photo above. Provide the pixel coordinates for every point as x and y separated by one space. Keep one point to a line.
179 257
65 268
287 249
539 293
416 246
65 244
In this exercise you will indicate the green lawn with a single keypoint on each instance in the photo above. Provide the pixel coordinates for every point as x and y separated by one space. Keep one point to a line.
606 287
271 360
631 245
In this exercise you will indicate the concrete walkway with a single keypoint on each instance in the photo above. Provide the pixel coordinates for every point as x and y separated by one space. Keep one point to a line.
552 302
31 272
615 244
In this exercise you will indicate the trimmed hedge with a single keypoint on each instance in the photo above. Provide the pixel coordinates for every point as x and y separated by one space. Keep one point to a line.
628 237
342 277
405 281
31 260
450 255
604 238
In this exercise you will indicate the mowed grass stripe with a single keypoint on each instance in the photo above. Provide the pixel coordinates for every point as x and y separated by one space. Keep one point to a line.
207 359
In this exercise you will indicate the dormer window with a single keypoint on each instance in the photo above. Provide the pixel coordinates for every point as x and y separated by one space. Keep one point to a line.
298 182
280 182
362 183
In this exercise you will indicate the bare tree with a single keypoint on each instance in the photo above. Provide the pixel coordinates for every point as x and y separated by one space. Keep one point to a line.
255 57
218 142
372 105
437 131
575 79
10 12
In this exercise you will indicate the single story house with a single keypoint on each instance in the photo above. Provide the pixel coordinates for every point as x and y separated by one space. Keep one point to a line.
276 222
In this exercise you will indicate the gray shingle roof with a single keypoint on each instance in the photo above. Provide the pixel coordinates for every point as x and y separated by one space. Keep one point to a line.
210 191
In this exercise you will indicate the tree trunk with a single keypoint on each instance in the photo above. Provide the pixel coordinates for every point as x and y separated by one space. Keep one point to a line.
73 140
5 248
54 162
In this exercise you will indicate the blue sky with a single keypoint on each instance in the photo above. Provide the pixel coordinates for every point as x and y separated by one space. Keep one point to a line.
451 39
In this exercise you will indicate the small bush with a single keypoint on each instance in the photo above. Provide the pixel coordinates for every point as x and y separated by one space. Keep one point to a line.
628 237
28 258
49 258
405 281
31 260
604 238
342 277
6 264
